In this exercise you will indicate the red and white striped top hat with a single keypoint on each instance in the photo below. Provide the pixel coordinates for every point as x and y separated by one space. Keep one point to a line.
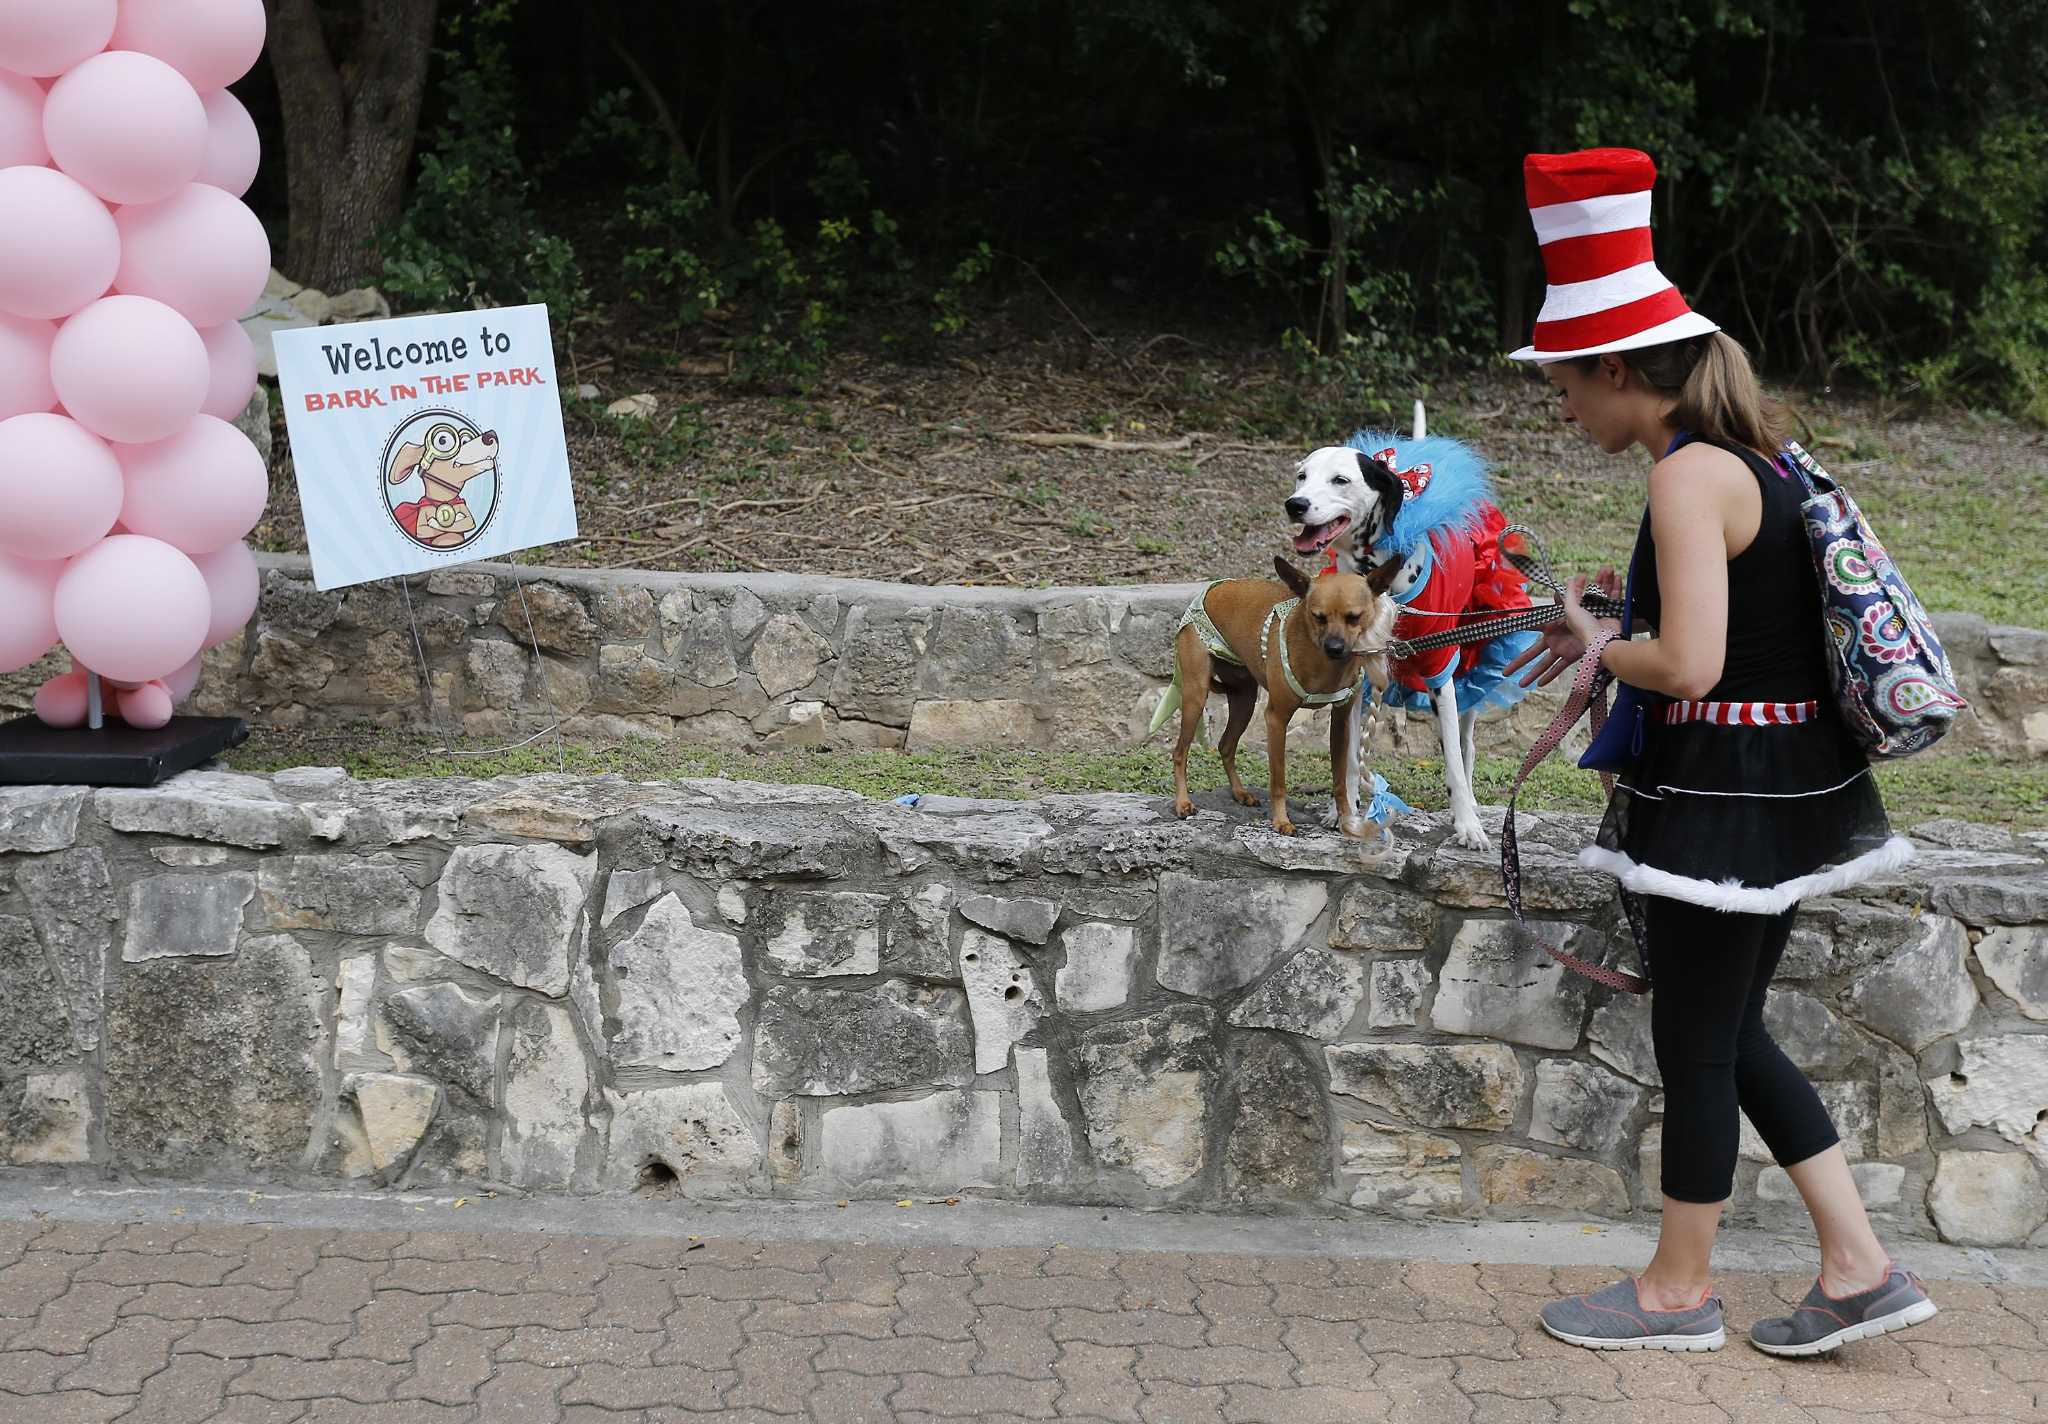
1592 216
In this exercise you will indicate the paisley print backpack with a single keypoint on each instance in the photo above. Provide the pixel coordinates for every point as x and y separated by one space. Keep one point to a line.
1892 680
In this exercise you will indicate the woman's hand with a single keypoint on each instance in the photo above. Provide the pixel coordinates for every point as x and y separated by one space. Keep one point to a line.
1564 643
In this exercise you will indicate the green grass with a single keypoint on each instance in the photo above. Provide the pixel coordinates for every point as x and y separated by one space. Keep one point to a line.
1970 787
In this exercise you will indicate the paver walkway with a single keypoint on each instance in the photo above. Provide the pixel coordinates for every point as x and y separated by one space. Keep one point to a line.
170 1322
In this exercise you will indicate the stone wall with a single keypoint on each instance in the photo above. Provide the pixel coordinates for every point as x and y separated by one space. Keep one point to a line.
718 989
773 661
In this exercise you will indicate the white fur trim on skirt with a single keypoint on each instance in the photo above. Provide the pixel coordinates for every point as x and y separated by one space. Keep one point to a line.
1737 898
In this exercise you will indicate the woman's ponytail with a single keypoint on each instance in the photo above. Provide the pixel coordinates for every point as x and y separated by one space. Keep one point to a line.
1712 388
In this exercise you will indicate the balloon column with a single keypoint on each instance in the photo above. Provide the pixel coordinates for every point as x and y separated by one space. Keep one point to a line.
126 257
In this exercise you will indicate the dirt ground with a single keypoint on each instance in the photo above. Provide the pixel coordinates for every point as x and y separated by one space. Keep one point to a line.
970 468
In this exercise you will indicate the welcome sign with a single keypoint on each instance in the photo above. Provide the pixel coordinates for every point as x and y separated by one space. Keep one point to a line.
425 441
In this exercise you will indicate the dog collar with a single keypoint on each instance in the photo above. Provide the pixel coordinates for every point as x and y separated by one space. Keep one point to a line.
1279 615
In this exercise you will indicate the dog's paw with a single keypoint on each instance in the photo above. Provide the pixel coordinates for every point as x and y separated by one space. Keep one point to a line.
1245 798
1183 808
1332 817
1467 832
1283 828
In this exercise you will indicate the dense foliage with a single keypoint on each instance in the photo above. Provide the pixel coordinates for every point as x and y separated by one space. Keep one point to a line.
1856 189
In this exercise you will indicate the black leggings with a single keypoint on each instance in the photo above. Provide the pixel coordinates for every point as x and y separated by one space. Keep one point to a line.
1711 970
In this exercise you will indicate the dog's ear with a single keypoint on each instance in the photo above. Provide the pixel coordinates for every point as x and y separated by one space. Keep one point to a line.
1387 486
409 457
1290 575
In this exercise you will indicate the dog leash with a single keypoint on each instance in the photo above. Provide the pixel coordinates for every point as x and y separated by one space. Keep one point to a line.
1588 695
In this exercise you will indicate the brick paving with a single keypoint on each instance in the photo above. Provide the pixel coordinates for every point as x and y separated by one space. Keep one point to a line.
169 1323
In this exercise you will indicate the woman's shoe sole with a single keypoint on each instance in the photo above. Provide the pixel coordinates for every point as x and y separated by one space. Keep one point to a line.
1914 1314
1687 1344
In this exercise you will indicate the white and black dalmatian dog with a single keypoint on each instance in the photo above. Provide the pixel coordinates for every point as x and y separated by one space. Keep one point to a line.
1345 497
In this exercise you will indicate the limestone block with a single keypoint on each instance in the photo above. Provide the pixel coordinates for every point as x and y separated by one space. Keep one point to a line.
1498 982
1999 1082
629 890
962 722
1101 960
36 819
1431 1085
222 807
878 662
1145 1086
788 655
941 1142
2016 959
1922 992
1813 1037
354 1047
1391 1170
548 614
447 1033
1028 919
823 935
46 1119
1987 1198
680 988
71 900
1880 1184
1620 1037
1003 998
513 912
1398 989
1045 1150
690 1139
1313 994
546 1083
395 1112
34 1027
831 1042
1280 1143
1516 1179
920 934
1375 916
2018 899
372 895
1219 935
1582 1105
214 1063
697 639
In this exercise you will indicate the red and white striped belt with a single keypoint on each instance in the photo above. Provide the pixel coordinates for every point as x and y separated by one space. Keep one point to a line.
1741 714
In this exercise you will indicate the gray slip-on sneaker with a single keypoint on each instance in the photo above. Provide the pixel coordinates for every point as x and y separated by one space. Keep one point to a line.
1613 1318
1825 1322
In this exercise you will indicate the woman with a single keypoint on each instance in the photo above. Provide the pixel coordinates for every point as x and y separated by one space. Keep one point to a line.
1746 794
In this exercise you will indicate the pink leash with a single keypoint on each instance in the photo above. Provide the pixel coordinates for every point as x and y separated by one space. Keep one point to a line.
1588 695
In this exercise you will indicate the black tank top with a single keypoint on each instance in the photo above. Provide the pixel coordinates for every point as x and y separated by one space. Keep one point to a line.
1775 652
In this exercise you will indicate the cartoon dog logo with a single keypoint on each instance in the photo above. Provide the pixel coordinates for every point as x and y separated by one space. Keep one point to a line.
456 466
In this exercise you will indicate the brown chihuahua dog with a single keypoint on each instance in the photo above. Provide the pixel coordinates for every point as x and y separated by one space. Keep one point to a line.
1236 639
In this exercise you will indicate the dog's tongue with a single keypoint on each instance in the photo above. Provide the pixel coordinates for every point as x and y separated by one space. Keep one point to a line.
1306 542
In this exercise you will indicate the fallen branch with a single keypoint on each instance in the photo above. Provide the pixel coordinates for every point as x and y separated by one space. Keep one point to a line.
1094 442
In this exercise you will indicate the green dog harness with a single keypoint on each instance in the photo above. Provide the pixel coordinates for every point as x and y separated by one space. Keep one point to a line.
1279 615
1197 617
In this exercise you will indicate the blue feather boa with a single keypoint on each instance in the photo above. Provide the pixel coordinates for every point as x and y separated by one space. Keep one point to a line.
1458 492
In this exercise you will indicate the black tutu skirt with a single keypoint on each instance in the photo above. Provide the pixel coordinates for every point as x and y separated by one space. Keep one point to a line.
1748 819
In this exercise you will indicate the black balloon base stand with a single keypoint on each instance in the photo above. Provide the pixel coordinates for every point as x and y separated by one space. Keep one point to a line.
110 753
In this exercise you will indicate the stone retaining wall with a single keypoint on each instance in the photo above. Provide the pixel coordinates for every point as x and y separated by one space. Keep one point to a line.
718 989
774 661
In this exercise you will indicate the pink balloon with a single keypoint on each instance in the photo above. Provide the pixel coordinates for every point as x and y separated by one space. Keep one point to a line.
210 42
59 248
181 682
233 150
234 584
200 252
60 487
130 369
127 126
231 362
21 122
61 702
132 608
25 366
45 37
201 489
148 706
28 591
